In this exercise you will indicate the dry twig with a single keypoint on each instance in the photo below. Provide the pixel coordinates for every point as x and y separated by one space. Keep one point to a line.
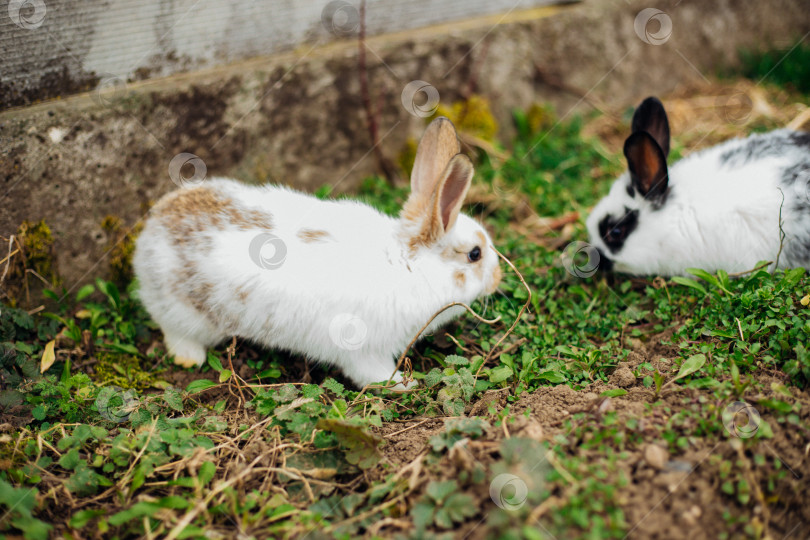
517 319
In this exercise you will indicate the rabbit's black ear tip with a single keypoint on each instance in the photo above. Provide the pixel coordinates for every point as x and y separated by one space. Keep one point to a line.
651 102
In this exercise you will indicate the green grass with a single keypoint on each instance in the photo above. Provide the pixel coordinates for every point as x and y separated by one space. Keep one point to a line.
140 456
789 68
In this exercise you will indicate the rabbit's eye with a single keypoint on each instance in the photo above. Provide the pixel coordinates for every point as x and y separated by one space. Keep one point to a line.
474 254
616 233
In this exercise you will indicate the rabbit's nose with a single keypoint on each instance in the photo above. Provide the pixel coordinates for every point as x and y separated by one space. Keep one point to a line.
495 281
605 264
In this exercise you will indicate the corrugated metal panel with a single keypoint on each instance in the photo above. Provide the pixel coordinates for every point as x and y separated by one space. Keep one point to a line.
55 47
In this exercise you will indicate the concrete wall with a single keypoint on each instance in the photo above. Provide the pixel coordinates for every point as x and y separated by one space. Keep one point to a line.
297 117
51 48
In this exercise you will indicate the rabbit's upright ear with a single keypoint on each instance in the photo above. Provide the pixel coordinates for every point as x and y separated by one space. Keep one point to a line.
651 117
426 220
451 191
439 181
648 166
438 146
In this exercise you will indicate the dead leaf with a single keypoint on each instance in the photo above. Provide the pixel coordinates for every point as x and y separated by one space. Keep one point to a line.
320 473
48 357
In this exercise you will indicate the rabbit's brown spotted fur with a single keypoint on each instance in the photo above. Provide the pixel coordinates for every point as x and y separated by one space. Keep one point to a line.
313 235
197 209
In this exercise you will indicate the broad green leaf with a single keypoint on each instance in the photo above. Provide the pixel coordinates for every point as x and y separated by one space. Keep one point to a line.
706 276
499 374
111 291
422 513
33 529
691 365
616 392
439 491
551 376
199 385
207 471
70 459
433 377
82 517
191 531
138 477
456 360
686 282
214 362
272 373
776 405
334 386
137 510
124 348
84 481
39 412
213 424
84 292
173 398
460 506
22 500
442 518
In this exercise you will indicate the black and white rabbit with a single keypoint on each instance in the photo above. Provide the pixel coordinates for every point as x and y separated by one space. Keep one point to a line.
715 209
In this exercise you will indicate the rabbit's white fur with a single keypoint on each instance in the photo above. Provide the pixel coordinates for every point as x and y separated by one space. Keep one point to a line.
721 210
352 291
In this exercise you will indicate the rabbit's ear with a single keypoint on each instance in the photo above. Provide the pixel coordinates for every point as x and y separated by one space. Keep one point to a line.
652 118
452 190
426 220
647 164
438 146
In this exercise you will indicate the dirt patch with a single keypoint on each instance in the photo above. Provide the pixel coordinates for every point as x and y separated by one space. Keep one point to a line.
673 484
405 441
684 496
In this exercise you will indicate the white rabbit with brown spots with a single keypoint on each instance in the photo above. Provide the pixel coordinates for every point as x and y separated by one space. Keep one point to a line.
335 281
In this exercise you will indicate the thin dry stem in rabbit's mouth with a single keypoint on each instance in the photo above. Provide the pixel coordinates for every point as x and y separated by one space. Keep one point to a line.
402 357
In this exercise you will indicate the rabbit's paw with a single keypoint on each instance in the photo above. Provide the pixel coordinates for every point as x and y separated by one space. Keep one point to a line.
187 353
403 387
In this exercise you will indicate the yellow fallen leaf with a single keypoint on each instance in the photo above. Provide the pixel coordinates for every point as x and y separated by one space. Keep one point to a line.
320 474
84 314
48 357
805 300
